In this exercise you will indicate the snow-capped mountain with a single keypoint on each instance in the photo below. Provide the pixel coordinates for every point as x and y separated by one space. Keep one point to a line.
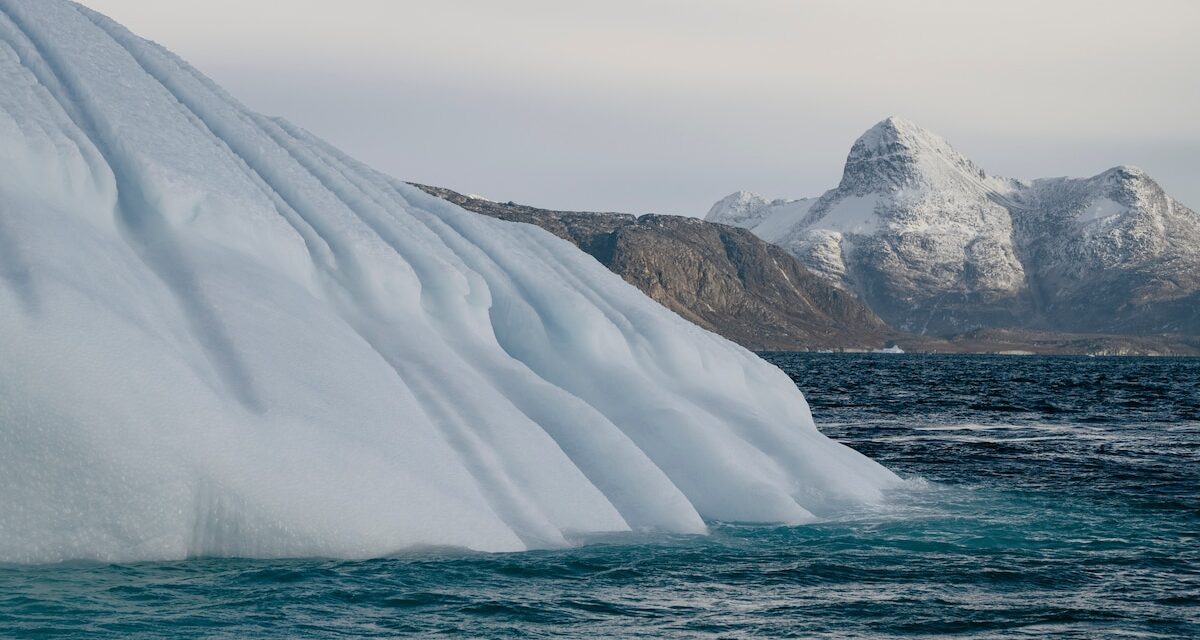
220 335
934 244
1113 251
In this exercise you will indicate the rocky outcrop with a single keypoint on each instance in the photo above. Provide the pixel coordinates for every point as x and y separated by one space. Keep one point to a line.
722 278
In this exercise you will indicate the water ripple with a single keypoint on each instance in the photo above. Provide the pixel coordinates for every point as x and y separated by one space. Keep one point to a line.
1048 497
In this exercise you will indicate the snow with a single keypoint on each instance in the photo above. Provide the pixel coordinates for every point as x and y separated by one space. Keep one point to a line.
852 214
784 215
222 336
821 251
902 182
924 235
768 220
741 208
934 244
1101 209
1119 217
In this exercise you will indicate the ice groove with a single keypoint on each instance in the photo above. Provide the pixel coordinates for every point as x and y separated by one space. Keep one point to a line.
252 344
151 238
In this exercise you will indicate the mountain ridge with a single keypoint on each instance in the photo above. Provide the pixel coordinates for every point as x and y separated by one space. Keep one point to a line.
936 245
721 277
660 255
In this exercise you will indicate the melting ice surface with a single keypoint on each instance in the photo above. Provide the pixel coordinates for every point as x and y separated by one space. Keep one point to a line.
221 336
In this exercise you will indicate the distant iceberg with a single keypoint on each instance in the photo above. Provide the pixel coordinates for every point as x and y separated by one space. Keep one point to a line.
892 349
221 336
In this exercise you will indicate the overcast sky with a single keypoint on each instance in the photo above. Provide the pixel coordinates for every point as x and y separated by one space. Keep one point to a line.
668 105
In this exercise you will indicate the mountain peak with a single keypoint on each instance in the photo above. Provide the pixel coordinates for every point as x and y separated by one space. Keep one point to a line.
737 208
896 152
894 129
1128 185
1127 172
896 136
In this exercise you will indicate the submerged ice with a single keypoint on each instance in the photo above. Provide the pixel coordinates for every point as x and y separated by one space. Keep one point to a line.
221 336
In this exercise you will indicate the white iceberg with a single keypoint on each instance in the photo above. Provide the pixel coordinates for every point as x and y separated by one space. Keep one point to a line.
221 336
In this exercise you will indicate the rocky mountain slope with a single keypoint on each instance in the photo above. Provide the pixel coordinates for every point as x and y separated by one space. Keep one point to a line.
935 245
722 278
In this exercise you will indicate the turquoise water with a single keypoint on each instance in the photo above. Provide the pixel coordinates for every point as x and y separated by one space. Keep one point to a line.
1049 497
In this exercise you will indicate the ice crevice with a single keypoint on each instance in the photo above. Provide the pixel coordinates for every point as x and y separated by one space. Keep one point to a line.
237 340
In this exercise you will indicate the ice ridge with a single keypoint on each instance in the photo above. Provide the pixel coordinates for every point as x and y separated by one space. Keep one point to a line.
222 336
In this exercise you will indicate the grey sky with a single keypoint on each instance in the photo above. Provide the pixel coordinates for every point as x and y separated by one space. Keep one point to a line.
668 105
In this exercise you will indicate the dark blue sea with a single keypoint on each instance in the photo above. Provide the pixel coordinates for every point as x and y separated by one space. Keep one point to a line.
1051 497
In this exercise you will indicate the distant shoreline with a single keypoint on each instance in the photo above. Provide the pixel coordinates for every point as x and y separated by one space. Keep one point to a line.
1009 354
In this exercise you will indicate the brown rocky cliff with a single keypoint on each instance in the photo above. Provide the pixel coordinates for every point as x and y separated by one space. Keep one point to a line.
722 278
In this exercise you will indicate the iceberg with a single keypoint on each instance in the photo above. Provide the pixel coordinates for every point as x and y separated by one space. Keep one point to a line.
220 336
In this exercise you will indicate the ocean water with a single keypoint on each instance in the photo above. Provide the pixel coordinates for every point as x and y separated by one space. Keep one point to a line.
1048 497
